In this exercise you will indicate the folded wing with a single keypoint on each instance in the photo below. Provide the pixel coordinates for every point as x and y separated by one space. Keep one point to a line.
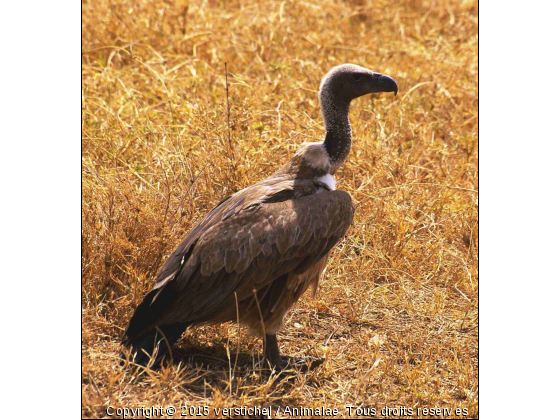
246 243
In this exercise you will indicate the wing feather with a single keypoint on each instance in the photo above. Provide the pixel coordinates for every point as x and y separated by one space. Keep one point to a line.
246 246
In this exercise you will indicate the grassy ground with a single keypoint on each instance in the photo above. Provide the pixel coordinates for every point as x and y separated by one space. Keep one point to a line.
396 315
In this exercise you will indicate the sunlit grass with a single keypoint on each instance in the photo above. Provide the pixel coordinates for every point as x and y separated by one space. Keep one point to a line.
396 314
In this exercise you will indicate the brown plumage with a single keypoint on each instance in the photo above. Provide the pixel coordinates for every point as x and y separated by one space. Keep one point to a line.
259 250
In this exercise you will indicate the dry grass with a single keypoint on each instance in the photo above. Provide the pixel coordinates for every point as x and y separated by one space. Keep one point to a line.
396 315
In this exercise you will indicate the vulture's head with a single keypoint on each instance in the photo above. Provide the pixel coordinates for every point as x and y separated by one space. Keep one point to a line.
348 81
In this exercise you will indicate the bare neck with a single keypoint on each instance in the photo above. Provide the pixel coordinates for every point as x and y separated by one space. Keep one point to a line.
338 138
314 160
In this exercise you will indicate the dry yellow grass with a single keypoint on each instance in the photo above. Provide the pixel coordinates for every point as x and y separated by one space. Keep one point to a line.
396 316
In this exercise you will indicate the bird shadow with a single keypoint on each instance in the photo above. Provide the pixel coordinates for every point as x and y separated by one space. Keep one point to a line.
203 367
215 358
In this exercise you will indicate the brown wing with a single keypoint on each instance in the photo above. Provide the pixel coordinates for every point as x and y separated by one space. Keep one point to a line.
241 248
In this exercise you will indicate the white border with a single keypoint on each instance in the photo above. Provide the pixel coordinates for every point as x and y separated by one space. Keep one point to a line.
40 174
519 208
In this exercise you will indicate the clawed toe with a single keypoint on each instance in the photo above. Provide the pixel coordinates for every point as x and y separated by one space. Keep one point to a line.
301 364
284 363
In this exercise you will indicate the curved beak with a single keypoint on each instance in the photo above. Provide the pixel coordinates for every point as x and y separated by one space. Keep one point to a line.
386 84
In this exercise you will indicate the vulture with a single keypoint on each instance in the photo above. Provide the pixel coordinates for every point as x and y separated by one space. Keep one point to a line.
260 249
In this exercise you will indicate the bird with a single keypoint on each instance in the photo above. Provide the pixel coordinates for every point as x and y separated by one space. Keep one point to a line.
254 255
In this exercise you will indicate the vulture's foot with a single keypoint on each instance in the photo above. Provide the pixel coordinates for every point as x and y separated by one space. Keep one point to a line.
280 363
301 364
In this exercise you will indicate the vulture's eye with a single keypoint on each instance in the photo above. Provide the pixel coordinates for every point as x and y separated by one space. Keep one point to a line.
357 76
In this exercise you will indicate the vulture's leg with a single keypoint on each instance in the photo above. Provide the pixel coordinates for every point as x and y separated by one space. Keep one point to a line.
271 351
272 354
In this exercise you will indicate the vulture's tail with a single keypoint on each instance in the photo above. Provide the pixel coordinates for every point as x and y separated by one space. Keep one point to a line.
150 348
